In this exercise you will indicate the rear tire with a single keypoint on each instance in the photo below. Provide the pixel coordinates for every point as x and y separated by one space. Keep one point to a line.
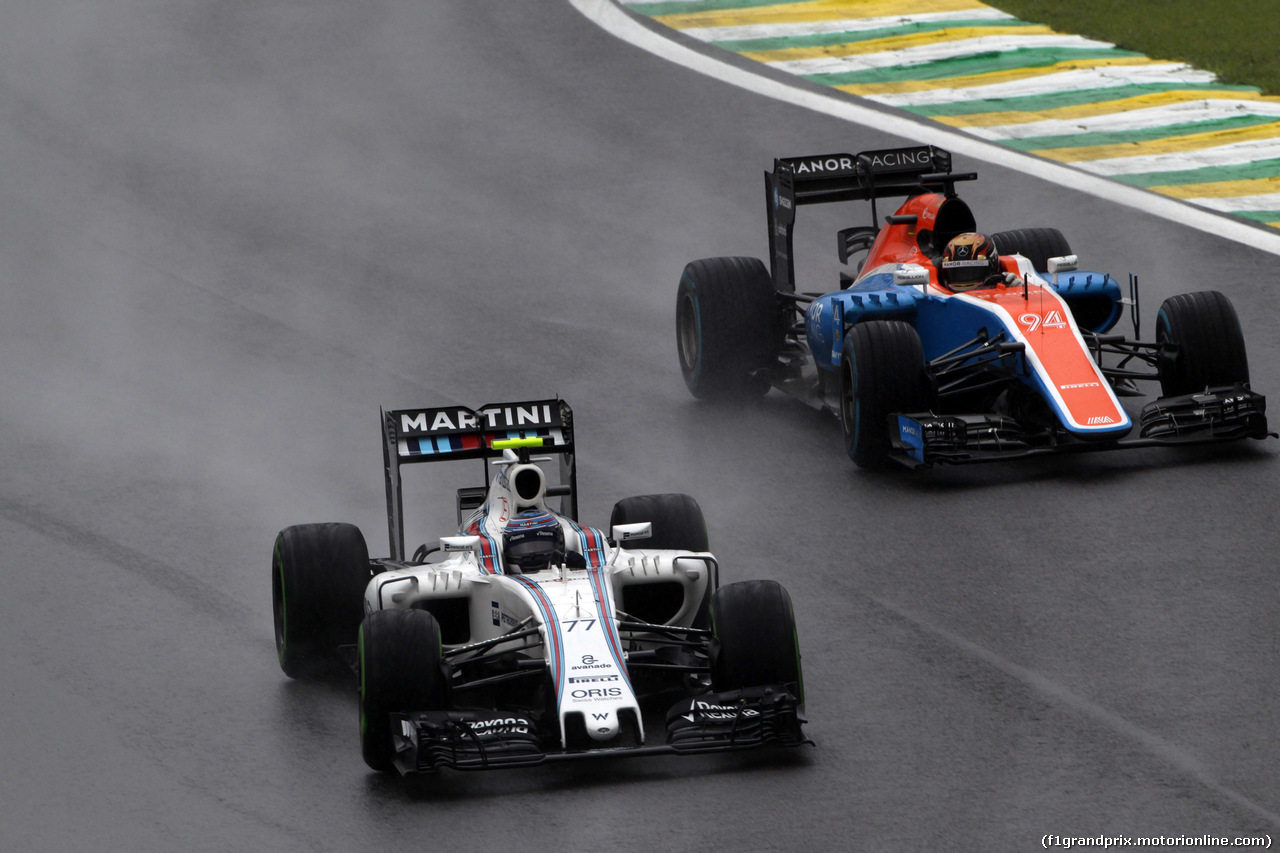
399 653
1210 342
318 576
728 325
677 521
1037 245
881 372
678 525
754 629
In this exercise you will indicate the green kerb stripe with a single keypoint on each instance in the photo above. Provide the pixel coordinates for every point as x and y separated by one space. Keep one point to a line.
828 39
1035 143
1039 103
1268 216
982 63
1207 175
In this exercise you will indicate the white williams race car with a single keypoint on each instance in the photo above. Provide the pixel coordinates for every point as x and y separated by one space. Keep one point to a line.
525 636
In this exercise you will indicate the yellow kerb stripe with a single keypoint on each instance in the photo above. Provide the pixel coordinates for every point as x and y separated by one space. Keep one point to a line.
1168 145
821 10
1156 99
988 79
1222 189
893 43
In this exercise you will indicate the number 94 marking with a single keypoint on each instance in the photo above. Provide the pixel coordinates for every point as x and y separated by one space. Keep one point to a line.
1051 320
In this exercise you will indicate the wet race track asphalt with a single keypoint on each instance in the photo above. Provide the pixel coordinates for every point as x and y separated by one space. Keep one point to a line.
229 232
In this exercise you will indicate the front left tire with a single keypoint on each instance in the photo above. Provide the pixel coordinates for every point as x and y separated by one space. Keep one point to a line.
1210 343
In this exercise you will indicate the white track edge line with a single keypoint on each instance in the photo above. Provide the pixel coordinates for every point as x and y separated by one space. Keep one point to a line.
614 20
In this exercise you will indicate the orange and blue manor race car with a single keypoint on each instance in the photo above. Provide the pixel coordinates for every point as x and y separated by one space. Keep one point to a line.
524 636
946 345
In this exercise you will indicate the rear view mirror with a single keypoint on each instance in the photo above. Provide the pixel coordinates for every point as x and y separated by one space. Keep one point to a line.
911 275
632 532
460 543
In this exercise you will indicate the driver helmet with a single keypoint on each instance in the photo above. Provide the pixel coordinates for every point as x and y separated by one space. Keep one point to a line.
531 541
967 261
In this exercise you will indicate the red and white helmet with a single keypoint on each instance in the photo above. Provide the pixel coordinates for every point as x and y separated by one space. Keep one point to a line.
967 261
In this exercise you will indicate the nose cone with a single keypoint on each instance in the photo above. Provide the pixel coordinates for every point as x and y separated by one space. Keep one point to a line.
602 725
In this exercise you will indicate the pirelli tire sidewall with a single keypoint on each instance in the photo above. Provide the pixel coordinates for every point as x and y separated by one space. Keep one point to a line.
882 371
728 325
754 638
399 654
1210 350
318 577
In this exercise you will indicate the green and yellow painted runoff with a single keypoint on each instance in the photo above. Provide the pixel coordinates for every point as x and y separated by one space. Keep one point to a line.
1029 83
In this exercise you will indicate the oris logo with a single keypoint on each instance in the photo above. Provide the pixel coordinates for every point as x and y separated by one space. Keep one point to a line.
589 693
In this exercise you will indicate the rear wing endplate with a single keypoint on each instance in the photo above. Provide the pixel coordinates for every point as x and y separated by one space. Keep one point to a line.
866 176
449 433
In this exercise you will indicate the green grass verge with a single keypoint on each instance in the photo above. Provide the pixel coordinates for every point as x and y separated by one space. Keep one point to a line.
1236 39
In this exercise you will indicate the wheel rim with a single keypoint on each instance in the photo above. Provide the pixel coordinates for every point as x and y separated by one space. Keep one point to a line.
688 332
848 402
280 617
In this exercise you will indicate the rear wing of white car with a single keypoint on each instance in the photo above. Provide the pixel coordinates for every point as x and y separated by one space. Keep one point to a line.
449 433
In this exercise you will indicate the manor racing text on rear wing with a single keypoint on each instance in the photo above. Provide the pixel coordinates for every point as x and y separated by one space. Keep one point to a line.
411 436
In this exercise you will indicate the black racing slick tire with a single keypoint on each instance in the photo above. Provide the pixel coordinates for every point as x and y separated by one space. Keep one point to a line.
399 655
882 371
318 576
676 519
728 326
1037 245
1209 343
754 638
